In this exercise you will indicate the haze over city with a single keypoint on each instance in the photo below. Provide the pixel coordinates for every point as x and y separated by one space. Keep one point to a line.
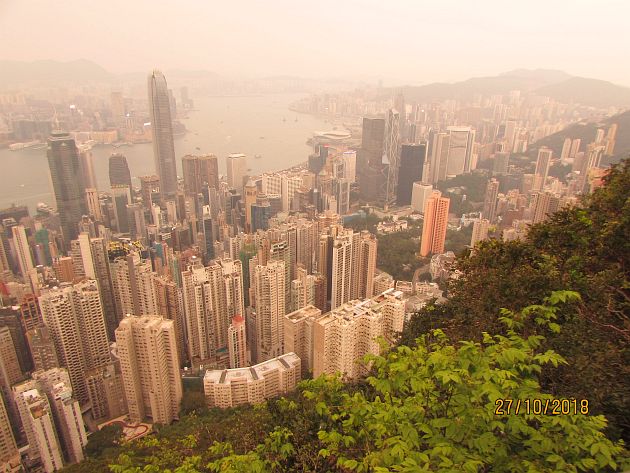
399 41
333 236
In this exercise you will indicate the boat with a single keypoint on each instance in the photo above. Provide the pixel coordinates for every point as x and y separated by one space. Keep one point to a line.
257 156
261 137
284 119
296 119
198 148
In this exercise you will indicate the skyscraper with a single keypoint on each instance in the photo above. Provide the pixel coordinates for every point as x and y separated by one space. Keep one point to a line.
236 165
542 167
490 200
162 126
412 162
269 281
369 164
9 454
419 195
119 174
237 342
435 224
480 231
67 181
439 156
199 172
391 155
22 250
147 349
460 152
74 316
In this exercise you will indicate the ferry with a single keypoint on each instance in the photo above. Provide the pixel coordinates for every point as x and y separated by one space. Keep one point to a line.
20 146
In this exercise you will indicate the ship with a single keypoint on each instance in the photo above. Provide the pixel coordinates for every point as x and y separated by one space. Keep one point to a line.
257 156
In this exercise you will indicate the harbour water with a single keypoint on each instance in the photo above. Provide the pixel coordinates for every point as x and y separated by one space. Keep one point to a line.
254 125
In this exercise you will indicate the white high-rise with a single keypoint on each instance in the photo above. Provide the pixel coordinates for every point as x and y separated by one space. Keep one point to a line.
236 165
269 281
22 250
147 349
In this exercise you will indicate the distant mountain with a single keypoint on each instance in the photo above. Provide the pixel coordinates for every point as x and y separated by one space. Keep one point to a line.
80 71
586 132
555 84
598 93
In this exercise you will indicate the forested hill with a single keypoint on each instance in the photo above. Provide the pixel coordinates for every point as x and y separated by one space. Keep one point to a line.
545 318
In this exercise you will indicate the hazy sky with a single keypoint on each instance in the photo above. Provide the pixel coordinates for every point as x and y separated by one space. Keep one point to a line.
413 41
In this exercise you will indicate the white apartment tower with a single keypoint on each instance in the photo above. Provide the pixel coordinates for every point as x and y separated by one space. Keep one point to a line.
147 349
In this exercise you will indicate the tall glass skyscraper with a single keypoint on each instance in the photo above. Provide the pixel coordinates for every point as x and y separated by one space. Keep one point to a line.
67 181
162 125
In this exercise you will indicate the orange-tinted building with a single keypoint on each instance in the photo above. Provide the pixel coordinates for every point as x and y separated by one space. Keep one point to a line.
435 223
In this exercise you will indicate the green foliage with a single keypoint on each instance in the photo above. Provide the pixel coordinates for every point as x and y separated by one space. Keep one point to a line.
368 223
108 437
474 185
398 253
458 240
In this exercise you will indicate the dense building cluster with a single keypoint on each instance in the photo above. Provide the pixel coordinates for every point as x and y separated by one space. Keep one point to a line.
249 282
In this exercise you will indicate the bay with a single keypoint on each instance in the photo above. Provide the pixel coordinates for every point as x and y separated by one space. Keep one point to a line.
251 125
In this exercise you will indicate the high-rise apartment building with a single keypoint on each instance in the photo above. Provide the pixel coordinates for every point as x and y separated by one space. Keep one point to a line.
74 316
343 336
68 186
213 296
237 342
253 385
480 231
435 224
133 284
162 127
544 204
42 349
9 453
269 282
170 305
236 165
106 391
147 349
298 334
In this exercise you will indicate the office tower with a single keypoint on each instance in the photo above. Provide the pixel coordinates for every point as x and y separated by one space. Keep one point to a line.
501 162
31 317
251 192
39 425
236 165
68 422
87 167
74 316
391 143
611 139
439 157
149 185
68 187
213 295
270 307
253 385
342 262
93 204
290 185
542 167
412 160
22 250
343 336
200 172
170 305
460 150
419 195
566 150
117 104
435 224
42 349
544 204
575 147
237 342
490 200
162 127
480 231
261 213
368 245
106 391
350 165
132 284
298 335
9 453
370 158
121 196
119 174
10 317
147 348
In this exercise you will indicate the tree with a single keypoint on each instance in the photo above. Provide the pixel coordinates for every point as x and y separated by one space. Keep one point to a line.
107 437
